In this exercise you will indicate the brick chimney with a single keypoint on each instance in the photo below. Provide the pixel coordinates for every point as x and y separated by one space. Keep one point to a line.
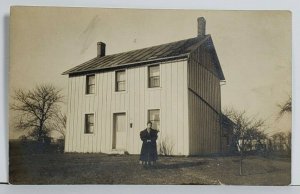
100 49
201 26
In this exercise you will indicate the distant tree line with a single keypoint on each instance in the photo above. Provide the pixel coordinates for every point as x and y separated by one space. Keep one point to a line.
248 134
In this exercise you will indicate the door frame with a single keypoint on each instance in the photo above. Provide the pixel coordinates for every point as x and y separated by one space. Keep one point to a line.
113 129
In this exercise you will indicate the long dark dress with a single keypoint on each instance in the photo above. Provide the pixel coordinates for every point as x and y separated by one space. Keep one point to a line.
149 149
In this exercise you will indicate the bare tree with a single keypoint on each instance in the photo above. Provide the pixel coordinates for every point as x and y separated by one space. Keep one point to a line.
245 130
59 123
36 108
286 107
278 141
280 137
281 141
289 141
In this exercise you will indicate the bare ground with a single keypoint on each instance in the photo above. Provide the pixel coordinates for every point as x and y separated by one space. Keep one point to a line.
78 168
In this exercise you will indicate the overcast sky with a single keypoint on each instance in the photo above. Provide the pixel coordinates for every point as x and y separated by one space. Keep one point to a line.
254 49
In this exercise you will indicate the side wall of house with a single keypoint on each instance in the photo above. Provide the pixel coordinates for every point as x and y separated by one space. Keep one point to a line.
204 101
171 98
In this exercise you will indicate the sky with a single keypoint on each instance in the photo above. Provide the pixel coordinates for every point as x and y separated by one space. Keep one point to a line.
253 47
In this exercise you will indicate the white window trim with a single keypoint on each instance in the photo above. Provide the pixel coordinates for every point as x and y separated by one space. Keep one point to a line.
147 114
85 85
147 76
115 81
84 124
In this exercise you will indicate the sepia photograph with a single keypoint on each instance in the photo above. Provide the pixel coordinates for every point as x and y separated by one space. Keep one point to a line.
149 96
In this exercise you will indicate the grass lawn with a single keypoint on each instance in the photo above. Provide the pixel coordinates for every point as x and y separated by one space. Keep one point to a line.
75 168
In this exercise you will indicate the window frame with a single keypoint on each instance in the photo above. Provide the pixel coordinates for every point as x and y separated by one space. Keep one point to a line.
87 84
148 116
149 77
86 124
116 80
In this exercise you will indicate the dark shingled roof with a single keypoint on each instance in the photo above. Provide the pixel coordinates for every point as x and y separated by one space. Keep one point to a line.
164 52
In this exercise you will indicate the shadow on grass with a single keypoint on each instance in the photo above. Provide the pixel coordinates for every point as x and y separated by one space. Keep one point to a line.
161 166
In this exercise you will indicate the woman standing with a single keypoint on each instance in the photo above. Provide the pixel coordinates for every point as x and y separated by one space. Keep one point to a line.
149 150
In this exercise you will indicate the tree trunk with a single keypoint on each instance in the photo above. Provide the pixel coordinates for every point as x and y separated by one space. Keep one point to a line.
242 148
241 165
40 131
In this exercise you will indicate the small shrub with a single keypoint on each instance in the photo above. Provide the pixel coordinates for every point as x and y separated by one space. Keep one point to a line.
165 147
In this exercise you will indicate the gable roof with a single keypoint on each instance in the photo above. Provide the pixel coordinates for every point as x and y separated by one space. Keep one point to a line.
226 121
163 52
227 124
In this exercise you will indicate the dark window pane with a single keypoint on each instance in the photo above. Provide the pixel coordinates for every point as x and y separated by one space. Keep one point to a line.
90 84
89 123
154 82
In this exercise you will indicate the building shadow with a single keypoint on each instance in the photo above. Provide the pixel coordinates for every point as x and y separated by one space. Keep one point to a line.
160 166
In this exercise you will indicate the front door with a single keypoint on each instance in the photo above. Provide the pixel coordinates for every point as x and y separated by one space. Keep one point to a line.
119 131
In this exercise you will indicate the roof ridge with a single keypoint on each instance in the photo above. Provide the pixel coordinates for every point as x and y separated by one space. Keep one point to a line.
156 45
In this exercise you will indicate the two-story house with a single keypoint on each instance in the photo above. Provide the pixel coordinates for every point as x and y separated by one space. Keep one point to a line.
174 85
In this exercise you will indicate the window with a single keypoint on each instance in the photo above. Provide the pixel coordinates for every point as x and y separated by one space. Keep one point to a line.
153 116
154 76
120 81
90 84
89 123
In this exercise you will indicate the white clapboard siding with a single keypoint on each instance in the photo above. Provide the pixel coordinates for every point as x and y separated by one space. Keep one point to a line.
171 98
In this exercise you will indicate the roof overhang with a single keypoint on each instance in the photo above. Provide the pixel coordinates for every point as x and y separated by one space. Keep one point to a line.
127 65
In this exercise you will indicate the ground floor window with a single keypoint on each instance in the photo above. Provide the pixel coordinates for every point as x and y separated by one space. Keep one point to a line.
89 123
154 117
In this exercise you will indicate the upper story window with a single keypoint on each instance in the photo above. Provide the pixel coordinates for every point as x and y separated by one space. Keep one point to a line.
120 80
89 123
90 84
153 76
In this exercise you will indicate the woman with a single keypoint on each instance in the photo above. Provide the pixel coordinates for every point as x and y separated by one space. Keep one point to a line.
149 151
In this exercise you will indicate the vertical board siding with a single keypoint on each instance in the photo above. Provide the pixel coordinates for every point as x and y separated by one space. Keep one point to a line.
174 105
103 111
68 128
180 106
79 109
186 125
73 115
171 98
130 135
204 102
142 114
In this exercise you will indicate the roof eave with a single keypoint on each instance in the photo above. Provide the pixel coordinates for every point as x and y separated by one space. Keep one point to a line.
185 55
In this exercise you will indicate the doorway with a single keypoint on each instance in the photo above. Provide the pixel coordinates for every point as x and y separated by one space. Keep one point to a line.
119 131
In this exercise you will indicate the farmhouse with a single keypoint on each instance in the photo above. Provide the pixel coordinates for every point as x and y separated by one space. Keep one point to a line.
174 85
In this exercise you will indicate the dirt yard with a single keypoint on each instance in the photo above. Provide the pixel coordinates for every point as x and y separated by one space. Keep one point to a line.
124 169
